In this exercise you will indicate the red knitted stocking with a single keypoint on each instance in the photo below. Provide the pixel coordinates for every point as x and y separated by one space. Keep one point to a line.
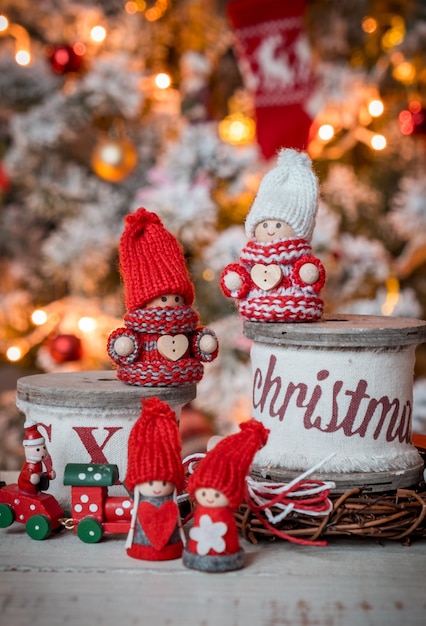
275 61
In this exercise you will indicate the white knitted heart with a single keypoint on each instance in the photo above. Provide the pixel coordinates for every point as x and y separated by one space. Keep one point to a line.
172 346
266 276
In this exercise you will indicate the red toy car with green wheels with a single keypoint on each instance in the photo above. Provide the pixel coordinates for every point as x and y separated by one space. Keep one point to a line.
41 512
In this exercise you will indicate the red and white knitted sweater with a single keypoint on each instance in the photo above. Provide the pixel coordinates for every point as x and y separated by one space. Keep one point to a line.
291 299
146 366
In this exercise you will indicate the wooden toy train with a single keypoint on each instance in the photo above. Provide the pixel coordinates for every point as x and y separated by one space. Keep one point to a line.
94 512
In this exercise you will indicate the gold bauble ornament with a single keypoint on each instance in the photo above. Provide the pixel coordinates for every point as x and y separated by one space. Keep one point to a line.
114 159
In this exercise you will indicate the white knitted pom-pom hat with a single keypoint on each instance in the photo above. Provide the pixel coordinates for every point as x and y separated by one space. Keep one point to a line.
289 192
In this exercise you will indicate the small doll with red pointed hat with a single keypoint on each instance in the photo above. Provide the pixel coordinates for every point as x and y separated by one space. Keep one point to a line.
162 343
277 277
218 486
155 475
37 469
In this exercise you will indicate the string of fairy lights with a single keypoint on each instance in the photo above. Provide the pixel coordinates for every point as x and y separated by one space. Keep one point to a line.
330 136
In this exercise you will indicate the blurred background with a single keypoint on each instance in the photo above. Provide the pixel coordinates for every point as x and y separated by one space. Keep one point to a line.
180 106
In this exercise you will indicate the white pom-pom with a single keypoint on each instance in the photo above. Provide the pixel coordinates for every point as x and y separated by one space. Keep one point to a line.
289 158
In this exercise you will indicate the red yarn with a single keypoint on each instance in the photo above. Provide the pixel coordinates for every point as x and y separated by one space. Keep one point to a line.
152 262
282 535
318 503
154 447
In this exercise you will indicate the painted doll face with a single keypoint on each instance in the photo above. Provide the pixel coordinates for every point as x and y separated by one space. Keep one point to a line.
35 453
155 488
271 230
211 497
170 300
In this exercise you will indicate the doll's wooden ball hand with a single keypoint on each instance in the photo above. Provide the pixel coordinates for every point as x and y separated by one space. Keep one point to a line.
233 281
124 346
309 273
208 343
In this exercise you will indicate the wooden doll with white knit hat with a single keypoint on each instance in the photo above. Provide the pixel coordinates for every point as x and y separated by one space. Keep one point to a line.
277 277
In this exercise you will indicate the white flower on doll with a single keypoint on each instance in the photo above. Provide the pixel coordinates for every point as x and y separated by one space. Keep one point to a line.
209 535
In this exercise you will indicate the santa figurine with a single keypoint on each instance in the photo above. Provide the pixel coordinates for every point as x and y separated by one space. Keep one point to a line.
277 277
155 476
162 343
218 486
37 470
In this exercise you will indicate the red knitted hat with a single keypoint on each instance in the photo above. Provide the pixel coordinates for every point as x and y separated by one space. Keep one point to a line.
32 436
152 262
226 466
154 446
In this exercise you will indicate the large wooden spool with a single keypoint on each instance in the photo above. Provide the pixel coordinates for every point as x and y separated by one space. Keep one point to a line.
342 386
86 417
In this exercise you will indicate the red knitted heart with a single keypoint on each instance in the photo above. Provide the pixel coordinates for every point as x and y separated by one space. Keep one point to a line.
158 523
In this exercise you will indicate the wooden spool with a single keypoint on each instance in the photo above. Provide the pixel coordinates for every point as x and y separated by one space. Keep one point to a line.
86 417
341 386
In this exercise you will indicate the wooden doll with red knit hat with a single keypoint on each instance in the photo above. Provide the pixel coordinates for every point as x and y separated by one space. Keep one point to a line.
277 277
162 343
155 475
218 486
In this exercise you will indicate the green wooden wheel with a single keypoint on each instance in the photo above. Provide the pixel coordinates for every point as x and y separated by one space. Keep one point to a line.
38 527
89 530
7 516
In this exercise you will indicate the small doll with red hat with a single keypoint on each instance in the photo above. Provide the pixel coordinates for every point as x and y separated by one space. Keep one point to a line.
218 486
155 475
162 343
37 470
277 277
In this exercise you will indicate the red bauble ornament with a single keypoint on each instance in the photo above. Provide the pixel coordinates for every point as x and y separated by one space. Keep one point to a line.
64 348
65 59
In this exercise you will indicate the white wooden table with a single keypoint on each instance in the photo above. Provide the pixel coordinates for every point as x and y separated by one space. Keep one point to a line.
62 581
